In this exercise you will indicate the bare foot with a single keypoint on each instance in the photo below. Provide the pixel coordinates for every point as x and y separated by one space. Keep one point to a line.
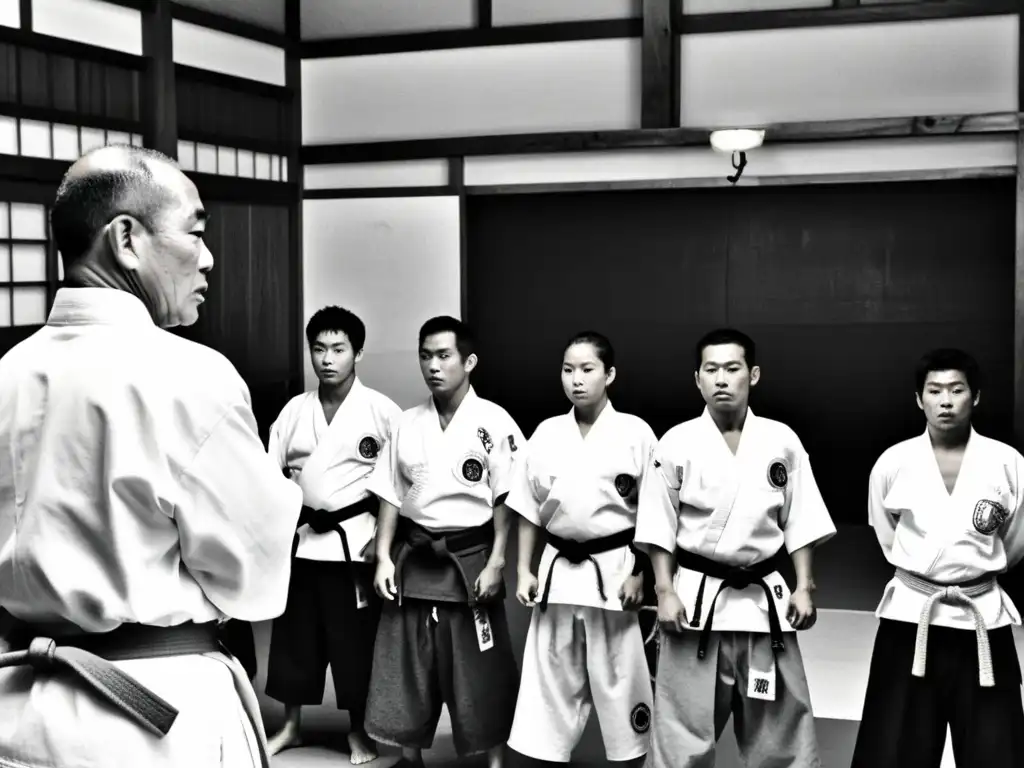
287 738
362 748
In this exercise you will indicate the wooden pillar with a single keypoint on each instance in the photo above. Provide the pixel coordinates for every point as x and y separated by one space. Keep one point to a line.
159 102
659 100
293 81
1018 305
457 184
25 9
484 14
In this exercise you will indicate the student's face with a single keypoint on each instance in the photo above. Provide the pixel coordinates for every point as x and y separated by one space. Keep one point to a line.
333 358
724 379
584 378
443 368
174 259
947 401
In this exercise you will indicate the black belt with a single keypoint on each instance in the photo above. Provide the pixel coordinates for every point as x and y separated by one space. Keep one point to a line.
87 658
324 521
578 552
734 577
444 545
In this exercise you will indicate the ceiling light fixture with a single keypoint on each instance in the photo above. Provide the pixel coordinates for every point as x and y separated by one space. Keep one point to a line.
737 142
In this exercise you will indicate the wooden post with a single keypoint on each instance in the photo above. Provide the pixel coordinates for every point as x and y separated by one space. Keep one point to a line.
293 81
159 97
659 100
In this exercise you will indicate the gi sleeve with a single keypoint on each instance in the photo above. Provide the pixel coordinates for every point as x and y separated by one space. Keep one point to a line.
503 460
883 521
236 526
804 518
385 481
657 516
522 496
1013 528
275 446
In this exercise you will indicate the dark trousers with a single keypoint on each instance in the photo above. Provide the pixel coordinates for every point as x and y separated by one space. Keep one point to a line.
905 717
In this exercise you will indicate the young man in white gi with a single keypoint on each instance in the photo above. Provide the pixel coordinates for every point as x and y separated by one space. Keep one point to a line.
138 507
947 508
327 440
728 495
441 537
577 487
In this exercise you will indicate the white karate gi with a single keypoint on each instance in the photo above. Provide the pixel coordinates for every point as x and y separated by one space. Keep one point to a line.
727 508
583 652
431 474
133 488
944 537
332 462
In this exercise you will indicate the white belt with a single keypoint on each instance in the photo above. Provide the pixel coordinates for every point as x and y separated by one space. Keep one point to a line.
950 594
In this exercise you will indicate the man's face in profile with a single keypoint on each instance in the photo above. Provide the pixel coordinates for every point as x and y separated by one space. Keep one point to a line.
174 271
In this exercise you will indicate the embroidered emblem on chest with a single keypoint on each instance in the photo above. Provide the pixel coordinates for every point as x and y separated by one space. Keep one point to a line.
640 718
760 685
625 485
512 444
778 592
485 439
988 516
369 447
473 470
778 474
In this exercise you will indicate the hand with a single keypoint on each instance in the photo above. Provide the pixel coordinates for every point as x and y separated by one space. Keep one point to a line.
384 579
801 613
526 590
671 614
488 582
632 592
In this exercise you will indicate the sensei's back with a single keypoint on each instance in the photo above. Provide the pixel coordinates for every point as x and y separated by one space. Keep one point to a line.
137 504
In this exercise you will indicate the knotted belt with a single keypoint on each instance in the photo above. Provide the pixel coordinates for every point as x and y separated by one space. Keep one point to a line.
446 545
324 521
579 552
951 594
86 658
733 577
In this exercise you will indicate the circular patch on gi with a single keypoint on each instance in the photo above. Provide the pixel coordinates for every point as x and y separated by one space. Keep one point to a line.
625 485
640 718
369 447
473 470
778 475
988 516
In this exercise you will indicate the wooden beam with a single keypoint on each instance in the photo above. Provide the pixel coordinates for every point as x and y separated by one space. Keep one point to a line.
234 189
159 102
256 87
710 182
472 38
457 186
69 117
228 25
514 144
659 99
742 21
345 193
70 48
293 81
25 8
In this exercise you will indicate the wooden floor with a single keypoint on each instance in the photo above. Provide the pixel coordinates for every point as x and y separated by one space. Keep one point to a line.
837 651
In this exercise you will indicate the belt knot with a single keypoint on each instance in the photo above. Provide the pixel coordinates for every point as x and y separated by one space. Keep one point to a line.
42 652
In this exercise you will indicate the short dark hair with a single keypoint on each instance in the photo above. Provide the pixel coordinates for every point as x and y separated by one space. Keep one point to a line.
948 359
727 336
87 202
338 320
464 339
601 344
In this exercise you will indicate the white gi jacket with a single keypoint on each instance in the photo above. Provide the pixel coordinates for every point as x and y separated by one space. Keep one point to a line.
133 488
735 509
332 462
922 528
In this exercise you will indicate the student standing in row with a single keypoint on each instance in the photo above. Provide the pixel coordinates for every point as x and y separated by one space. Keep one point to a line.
442 533
728 494
578 484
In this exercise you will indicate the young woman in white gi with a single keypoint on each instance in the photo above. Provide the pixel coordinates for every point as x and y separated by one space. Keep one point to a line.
729 499
578 484
947 508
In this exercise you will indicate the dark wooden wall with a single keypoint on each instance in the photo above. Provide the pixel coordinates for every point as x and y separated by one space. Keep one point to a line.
842 288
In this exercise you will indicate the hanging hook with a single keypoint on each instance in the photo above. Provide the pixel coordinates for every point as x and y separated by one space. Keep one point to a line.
738 165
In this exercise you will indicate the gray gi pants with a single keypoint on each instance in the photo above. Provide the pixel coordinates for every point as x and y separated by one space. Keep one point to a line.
693 699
